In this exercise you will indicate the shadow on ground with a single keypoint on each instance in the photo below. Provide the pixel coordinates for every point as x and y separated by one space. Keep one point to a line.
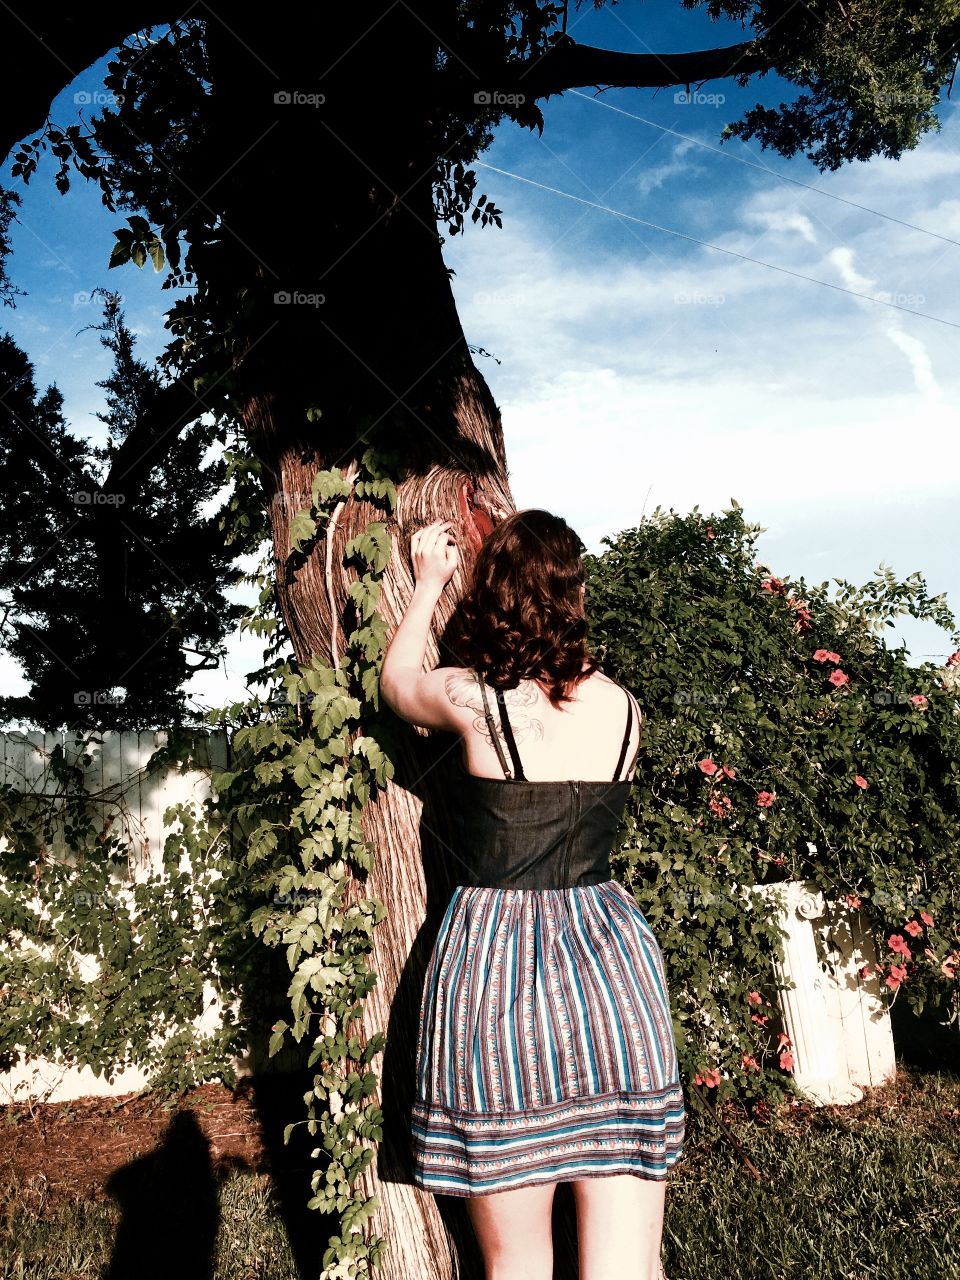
925 1041
170 1209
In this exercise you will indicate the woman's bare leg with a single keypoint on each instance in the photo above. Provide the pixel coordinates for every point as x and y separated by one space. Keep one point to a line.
514 1231
619 1226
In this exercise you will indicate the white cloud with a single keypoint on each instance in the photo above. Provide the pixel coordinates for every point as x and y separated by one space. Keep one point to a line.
912 346
656 175
617 394
780 220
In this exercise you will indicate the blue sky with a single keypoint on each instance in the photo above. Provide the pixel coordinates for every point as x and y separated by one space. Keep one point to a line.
638 368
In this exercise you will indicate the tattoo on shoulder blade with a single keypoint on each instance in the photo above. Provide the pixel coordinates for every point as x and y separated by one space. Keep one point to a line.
463 690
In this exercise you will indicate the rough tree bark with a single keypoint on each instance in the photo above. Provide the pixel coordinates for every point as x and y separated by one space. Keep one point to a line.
384 348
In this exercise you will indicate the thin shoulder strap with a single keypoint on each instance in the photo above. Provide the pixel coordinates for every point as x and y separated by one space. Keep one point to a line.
519 775
626 737
492 728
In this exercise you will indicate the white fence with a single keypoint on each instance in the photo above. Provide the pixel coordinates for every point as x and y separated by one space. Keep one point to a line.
839 1024
130 802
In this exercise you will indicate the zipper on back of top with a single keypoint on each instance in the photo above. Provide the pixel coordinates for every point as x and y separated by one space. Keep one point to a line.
574 824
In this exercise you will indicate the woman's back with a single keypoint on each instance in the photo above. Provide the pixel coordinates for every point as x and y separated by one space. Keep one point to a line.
584 738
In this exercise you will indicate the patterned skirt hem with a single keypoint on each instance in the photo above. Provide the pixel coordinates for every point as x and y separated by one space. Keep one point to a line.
460 1153
442 1186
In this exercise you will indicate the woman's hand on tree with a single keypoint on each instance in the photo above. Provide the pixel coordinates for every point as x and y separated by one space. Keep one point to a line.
434 554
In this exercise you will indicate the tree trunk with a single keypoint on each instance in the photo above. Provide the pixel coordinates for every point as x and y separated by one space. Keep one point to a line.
385 349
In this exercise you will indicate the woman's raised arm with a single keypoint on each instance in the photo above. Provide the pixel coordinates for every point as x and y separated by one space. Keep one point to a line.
414 694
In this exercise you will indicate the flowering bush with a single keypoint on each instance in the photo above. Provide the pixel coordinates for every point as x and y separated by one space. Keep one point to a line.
782 740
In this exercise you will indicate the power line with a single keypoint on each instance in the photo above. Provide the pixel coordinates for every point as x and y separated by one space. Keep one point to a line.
672 231
752 164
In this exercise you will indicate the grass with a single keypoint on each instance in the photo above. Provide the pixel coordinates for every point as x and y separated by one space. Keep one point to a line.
76 1240
869 1195
868 1192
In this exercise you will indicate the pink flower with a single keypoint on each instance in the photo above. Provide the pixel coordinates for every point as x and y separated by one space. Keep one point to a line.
761 1018
950 966
709 1078
919 701
853 901
728 772
748 1061
783 1039
754 997
864 971
833 657
707 766
772 584
803 613
766 798
838 678
897 944
861 782
914 928
954 659
820 655
719 805
926 917
896 976
786 1060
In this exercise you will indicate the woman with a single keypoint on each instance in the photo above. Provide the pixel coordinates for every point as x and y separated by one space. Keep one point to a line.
546 1049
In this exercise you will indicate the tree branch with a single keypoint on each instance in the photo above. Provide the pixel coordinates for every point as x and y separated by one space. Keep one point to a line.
568 65
174 407
47 46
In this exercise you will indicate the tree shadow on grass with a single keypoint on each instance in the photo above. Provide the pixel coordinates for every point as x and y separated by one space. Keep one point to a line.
278 1100
169 1199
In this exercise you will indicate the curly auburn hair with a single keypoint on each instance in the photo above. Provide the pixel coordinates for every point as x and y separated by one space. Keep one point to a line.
522 615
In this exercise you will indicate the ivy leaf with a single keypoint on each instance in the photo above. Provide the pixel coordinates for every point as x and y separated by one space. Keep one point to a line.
303 528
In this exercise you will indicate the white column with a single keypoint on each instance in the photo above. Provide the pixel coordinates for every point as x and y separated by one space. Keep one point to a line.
810 1007
862 1012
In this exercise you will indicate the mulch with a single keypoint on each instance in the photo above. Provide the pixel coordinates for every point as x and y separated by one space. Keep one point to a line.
71 1150
68 1151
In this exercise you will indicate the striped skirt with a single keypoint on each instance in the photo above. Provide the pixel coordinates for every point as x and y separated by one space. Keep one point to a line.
546 1048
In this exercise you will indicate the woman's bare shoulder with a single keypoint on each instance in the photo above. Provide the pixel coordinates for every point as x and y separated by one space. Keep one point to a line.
462 687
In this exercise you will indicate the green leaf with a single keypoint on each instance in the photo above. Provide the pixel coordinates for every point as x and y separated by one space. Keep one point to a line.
303 527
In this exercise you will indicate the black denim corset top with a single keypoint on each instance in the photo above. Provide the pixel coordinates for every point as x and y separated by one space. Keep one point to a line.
516 834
